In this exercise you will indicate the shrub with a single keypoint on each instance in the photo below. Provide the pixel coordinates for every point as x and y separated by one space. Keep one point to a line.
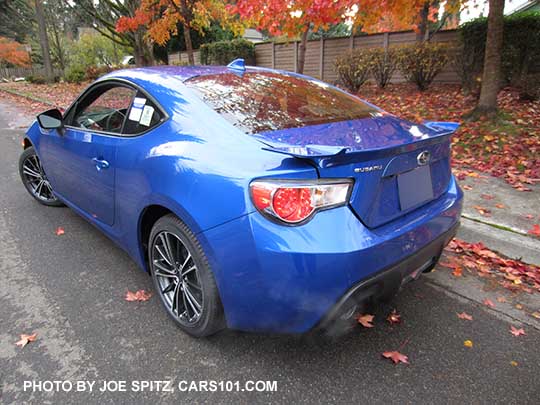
75 74
36 79
224 52
382 65
520 55
93 72
420 63
353 68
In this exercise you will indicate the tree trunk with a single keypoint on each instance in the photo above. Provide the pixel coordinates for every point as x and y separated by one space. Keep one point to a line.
491 77
421 35
189 45
142 52
302 50
44 40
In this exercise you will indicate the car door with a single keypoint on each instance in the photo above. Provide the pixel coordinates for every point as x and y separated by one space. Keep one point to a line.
80 160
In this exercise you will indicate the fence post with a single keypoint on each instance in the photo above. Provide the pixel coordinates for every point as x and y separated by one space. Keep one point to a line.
273 55
351 41
321 59
295 56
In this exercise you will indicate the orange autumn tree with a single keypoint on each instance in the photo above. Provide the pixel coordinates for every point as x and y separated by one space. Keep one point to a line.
162 17
13 53
392 15
293 18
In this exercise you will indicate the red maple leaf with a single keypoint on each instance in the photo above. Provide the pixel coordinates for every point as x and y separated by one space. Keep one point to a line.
60 231
489 303
394 317
465 316
25 339
396 357
535 230
139 295
517 332
366 320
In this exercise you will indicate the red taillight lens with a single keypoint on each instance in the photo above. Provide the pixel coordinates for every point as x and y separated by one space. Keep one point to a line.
295 201
292 204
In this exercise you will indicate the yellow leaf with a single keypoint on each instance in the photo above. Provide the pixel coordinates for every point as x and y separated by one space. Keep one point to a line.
468 343
514 363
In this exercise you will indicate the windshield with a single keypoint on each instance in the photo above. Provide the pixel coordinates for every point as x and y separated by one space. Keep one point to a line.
257 102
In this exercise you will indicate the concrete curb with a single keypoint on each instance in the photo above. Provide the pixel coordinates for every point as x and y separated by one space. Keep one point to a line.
511 244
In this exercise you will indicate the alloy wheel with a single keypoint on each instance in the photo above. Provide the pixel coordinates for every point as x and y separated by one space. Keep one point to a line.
36 179
177 278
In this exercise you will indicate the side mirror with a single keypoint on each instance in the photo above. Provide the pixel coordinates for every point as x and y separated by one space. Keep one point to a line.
51 119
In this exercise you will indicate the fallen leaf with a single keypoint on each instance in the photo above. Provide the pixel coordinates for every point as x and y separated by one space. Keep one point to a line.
457 272
535 230
466 187
501 299
60 231
394 317
519 306
489 303
396 357
482 210
536 314
514 363
25 339
517 332
139 295
366 320
468 343
465 316
500 206
487 196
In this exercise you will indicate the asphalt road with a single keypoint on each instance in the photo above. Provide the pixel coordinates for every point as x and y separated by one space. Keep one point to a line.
69 289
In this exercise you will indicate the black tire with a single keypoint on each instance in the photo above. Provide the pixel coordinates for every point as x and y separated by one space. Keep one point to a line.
182 284
43 194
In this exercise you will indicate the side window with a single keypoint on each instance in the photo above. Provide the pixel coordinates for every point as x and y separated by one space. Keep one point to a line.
143 115
104 109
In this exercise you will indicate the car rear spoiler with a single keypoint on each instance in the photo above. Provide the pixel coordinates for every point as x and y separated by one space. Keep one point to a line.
327 156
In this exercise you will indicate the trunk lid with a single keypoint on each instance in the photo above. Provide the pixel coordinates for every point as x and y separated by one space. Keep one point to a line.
398 166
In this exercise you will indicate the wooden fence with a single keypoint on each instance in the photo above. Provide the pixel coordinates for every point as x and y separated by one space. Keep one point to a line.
10 73
321 54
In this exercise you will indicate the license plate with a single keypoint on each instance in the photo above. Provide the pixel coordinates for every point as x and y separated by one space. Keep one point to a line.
414 187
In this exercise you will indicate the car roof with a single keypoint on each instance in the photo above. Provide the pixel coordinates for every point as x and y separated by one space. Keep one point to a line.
156 74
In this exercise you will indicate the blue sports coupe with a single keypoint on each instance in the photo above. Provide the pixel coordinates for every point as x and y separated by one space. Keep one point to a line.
257 199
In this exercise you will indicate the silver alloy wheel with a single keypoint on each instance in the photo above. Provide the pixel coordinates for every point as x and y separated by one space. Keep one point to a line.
36 179
177 277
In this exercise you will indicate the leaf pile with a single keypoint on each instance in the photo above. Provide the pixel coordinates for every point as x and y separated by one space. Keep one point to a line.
35 98
511 274
509 149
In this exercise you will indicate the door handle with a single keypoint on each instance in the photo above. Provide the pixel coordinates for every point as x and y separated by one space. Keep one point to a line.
100 164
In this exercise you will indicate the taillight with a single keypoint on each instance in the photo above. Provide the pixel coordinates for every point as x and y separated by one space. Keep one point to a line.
294 201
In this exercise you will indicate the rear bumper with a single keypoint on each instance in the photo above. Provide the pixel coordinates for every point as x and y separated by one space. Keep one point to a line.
290 279
387 283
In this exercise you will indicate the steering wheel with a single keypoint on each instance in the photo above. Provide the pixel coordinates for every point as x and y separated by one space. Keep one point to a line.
115 114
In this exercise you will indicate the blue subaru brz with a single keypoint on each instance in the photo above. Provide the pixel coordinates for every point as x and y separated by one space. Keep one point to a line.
257 199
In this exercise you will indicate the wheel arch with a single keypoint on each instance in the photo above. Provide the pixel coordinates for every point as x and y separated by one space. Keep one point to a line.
26 143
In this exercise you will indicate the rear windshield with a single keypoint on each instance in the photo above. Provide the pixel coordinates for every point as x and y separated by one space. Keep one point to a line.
264 101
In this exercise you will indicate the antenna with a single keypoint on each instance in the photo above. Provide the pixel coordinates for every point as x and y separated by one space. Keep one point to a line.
237 64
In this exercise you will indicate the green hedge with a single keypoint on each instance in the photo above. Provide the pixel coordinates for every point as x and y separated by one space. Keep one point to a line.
419 63
224 52
521 49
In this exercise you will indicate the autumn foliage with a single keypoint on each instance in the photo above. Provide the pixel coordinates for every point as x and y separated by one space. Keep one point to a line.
162 17
13 53
395 15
